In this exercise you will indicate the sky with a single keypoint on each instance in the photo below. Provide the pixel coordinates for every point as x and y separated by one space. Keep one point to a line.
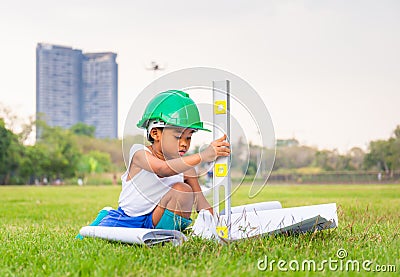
328 71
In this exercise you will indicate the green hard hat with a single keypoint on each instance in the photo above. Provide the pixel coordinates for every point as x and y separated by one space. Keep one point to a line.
174 107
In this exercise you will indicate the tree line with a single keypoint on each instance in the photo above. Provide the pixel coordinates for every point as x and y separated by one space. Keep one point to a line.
381 156
57 155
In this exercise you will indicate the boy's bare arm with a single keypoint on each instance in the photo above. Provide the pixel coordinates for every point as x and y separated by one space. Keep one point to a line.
147 161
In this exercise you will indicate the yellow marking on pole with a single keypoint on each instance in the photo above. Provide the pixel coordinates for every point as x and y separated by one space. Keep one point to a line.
222 231
220 170
220 107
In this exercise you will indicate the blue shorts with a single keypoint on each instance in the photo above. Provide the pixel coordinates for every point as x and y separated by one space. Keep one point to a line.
168 221
118 218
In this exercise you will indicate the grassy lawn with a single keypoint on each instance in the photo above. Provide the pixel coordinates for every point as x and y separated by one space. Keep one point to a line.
38 226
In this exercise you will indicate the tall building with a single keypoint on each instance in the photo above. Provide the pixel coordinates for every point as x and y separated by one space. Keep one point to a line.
58 84
73 87
99 98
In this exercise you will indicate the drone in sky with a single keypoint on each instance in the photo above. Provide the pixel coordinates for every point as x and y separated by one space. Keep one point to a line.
154 66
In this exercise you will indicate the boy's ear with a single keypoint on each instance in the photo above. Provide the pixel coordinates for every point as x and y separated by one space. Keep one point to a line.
155 134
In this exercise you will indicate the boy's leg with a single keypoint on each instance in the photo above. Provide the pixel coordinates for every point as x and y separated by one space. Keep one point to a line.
102 213
177 204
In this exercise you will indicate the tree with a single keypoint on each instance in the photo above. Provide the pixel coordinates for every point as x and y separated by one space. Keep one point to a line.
10 153
327 160
250 169
35 162
94 162
397 132
294 157
23 128
102 161
356 156
10 119
384 154
111 146
393 155
61 151
377 155
81 129
27 130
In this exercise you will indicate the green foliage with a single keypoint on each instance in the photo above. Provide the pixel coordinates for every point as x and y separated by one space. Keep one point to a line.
103 161
35 162
10 153
61 151
377 155
57 153
94 162
290 158
81 129
112 147
397 132
308 170
250 169
384 154
294 156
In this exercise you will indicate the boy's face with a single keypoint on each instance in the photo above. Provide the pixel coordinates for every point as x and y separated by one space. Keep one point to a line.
174 141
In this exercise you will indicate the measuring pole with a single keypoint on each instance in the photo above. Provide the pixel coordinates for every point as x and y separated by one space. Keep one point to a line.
222 176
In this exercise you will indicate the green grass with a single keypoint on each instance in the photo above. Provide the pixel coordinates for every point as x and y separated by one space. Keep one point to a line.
38 226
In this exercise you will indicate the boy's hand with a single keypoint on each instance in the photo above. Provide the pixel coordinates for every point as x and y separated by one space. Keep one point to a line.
217 148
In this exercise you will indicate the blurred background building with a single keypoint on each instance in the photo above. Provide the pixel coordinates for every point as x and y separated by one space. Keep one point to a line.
73 87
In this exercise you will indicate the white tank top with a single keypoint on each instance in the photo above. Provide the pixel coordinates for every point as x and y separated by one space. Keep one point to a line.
141 194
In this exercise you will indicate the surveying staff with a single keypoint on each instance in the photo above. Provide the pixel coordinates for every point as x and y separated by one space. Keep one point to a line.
161 185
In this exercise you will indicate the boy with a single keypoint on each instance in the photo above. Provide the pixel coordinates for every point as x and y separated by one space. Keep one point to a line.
160 185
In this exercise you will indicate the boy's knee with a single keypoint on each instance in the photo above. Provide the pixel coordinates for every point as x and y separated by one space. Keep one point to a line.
182 187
